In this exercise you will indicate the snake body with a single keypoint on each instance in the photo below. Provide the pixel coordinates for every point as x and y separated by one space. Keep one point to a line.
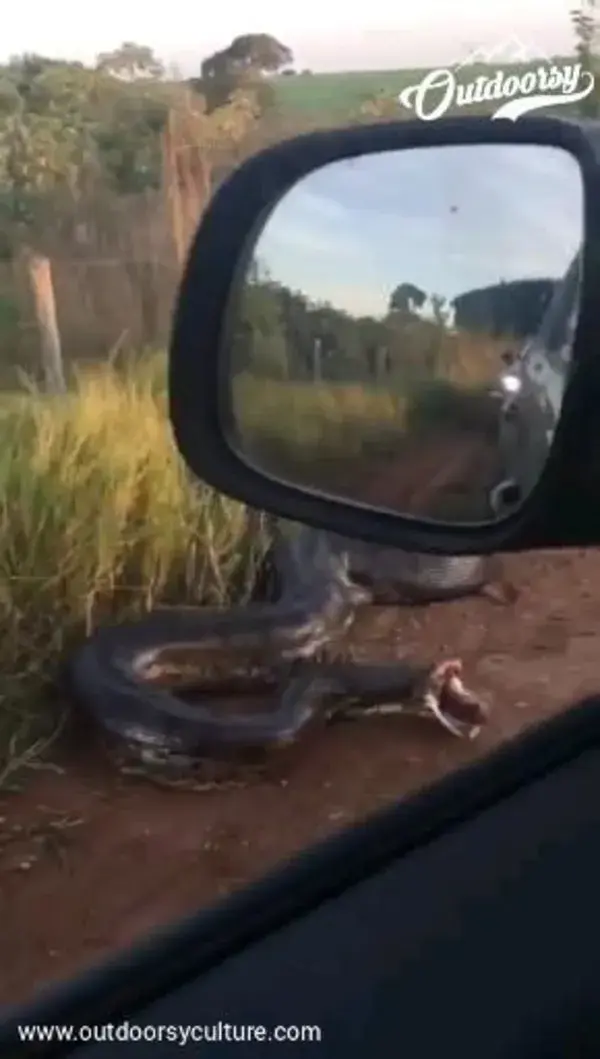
131 677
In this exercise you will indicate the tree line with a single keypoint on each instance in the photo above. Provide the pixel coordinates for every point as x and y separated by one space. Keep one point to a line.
67 128
280 333
63 122
73 133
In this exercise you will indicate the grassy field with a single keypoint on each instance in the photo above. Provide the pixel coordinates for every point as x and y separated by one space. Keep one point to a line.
336 435
298 421
342 94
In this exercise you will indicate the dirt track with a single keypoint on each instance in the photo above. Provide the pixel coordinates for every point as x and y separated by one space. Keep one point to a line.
137 856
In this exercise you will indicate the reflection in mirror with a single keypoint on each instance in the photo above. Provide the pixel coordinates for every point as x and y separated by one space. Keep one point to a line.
403 334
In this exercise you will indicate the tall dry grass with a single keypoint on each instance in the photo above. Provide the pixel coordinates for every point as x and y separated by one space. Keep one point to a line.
299 428
99 519
323 419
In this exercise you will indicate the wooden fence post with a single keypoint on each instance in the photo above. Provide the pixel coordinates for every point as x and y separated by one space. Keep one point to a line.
39 273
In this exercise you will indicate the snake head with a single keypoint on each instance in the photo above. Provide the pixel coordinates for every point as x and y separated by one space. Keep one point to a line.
456 707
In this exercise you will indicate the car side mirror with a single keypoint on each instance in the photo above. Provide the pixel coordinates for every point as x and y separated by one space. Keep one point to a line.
345 306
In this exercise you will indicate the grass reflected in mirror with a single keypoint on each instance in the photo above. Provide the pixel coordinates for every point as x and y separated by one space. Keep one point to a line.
382 446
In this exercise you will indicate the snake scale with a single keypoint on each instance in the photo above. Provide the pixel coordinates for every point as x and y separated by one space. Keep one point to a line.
132 677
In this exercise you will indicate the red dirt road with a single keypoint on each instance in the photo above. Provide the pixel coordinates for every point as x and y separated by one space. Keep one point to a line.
135 856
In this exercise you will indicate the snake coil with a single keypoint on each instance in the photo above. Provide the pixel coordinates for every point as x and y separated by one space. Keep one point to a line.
131 677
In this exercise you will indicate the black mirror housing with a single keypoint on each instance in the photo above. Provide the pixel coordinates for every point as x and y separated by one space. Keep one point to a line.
556 513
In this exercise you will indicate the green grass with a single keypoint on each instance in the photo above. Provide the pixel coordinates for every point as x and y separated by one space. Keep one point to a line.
323 436
323 419
306 423
334 436
340 93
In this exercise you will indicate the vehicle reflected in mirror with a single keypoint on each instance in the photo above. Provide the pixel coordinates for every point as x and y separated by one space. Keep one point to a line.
402 336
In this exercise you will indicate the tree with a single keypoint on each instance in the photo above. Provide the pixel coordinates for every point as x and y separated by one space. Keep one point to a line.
10 100
259 343
407 298
440 310
24 70
40 156
131 62
259 51
279 332
128 137
242 67
52 115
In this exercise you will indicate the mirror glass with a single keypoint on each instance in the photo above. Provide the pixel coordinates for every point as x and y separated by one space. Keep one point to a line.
402 334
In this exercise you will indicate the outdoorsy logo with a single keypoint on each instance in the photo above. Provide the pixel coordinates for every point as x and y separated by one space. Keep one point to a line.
547 84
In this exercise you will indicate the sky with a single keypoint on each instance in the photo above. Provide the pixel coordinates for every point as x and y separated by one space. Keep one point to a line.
447 219
390 34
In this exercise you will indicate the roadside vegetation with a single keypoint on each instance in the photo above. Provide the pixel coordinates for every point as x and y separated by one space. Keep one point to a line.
99 521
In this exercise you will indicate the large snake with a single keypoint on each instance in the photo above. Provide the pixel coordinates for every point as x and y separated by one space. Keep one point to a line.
131 677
